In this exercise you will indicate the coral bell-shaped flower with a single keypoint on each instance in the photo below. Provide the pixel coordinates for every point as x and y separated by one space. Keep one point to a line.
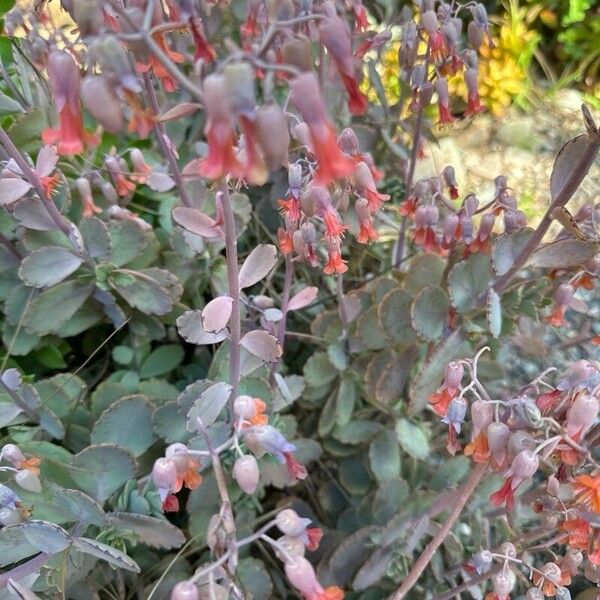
69 136
273 135
524 466
581 416
441 87
580 375
250 411
449 176
334 35
307 98
246 473
367 232
85 193
474 104
301 575
365 187
221 160
449 389
482 415
480 562
202 49
185 590
482 242
437 42
587 491
102 102
164 476
457 409
426 217
275 443
334 228
289 523
28 481
117 168
498 434
502 585
564 299
187 466
335 264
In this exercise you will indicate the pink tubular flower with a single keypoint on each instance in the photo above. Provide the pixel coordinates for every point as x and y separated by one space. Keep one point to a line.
85 192
441 87
202 49
221 159
335 36
564 299
289 523
273 442
523 467
116 169
69 137
306 96
474 104
335 264
301 575
367 232
365 187
426 217
449 389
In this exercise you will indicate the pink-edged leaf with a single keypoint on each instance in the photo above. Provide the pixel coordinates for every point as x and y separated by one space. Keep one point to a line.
257 265
11 189
262 344
195 221
216 314
160 182
190 328
567 159
46 161
185 109
303 298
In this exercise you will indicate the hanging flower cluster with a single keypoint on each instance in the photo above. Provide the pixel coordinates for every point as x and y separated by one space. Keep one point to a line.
540 432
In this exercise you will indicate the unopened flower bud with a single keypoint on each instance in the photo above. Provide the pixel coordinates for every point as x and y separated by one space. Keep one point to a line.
466 229
552 486
426 93
551 571
520 440
418 76
301 575
497 436
449 176
502 584
457 409
290 523
524 465
185 590
429 21
562 593
244 407
109 192
482 415
295 51
453 374
246 473
432 215
534 594
471 205
475 35
482 561
485 226
293 546
28 481
508 549
308 233
12 453
441 87
164 473
450 224
239 87
480 15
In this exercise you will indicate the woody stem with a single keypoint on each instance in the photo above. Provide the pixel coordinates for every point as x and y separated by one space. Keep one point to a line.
425 558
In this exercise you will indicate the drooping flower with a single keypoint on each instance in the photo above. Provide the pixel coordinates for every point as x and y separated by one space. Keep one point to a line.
85 193
334 35
250 411
306 96
69 137
449 389
474 105
482 415
441 87
289 523
365 187
202 49
156 66
367 232
563 299
587 491
301 575
221 159
454 418
523 467
335 263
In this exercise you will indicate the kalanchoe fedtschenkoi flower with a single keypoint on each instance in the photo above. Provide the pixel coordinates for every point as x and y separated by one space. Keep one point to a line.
424 234
185 590
187 466
164 476
474 105
365 187
273 135
14 455
479 563
437 42
549 580
580 375
289 523
245 472
251 28
563 299
124 214
482 415
306 96
202 48
301 575
250 411
155 65
69 137
502 585
367 233
441 87
498 435
334 35
101 100
335 263
449 389
587 491
44 167
142 120
523 467
117 169
449 176
221 160
85 193
482 242
273 442
454 418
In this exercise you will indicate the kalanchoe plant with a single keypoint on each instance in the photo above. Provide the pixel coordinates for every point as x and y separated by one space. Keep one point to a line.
248 353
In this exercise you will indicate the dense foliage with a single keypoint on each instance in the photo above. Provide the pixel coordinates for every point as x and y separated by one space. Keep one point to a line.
247 351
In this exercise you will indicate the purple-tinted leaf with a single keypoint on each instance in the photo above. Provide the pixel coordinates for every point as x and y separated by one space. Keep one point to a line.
303 298
564 253
190 328
216 314
567 159
160 182
11 189
195 221
257 265
31 213
48 266
262 344
185 109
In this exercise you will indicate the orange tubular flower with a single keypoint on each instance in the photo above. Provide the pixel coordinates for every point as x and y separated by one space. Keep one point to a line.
221 159
142 119
286 241
69 137
157 67
587 491
335 264
336 38
579 532
479 449
306 96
